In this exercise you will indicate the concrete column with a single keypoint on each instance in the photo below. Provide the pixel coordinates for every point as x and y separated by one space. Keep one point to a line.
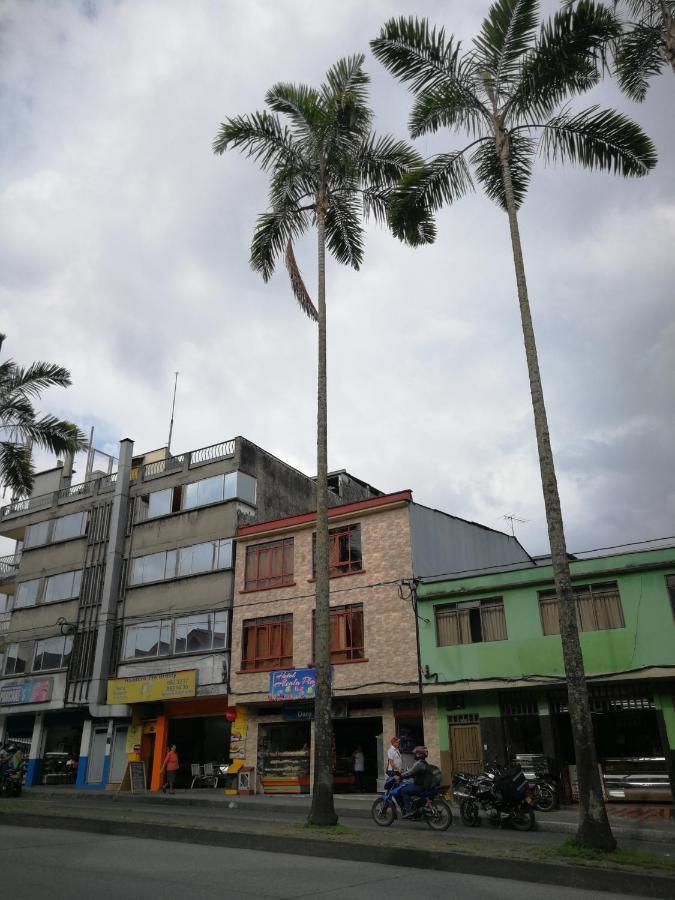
36 750
83 761
665 718
430 724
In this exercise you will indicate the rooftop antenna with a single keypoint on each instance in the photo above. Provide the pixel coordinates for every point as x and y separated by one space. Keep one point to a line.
511 518
173 407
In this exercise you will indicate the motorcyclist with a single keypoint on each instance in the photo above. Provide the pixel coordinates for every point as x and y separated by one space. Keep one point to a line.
413 780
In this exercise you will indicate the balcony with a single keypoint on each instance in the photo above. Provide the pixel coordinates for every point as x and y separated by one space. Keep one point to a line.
9 565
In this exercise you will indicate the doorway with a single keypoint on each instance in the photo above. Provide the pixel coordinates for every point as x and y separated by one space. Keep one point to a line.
466 749
348 734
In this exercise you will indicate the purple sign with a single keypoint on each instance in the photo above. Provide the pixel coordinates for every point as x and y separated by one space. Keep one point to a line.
18 692
293 684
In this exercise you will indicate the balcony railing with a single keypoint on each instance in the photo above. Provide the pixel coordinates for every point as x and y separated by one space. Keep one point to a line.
75 491
9 564
212 453
163 466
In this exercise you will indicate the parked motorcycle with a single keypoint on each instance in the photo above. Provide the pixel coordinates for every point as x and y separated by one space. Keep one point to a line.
506 798
542 786
430 806
11 782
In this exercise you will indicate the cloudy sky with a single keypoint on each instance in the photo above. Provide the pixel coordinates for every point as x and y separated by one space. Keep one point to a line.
124 256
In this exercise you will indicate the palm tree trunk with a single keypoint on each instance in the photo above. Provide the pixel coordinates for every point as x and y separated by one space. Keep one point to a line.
323 810
594 829
669 34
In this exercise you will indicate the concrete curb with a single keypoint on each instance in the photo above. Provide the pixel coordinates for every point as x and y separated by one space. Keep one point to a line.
605 880
657 834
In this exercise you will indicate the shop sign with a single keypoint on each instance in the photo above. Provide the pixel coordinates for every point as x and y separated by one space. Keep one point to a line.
134 738
238 734
304 713
293 684
18 692
146 688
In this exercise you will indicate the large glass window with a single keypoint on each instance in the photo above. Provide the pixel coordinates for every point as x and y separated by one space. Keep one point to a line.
267 643
68 527
5 604
36 535
148 639
52 653
153 567
269 565
473 622
64 586
159 503
18 658
200 633
178 563
26 593
598 608
197 558
344 550
218 488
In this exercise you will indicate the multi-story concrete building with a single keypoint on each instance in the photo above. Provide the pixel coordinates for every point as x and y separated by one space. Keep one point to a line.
492 656
378 546
115 607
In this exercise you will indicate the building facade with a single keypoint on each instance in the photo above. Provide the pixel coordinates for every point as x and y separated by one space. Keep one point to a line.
492 656
377 546
115 607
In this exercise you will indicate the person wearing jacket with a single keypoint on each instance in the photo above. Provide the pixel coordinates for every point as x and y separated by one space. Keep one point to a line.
413 780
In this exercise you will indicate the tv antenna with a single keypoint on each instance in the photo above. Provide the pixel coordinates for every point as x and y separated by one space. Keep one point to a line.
511 518
173 407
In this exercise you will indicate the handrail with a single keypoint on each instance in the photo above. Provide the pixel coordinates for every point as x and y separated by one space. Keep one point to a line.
163 466
212 453
84 488
9 564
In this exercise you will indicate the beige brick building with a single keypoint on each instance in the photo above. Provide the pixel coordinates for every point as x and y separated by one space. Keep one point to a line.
377 546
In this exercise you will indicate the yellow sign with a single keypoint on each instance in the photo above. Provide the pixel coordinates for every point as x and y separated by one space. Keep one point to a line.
238 734
146 688
134 738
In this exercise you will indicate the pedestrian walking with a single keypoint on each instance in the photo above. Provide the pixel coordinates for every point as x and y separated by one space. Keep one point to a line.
170 766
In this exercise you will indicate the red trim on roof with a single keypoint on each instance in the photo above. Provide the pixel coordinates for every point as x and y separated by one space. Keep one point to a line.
306 518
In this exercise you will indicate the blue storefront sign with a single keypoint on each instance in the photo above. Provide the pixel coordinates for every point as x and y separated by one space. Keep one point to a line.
293 684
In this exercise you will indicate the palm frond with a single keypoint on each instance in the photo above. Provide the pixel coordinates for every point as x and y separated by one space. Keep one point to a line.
302 104
417 54
272 233
567 59
344 232
347 77
449 106
298 285
505 36
56 435
441 180
599 139
409 220
639 56
259 136
488 168
383 160
36 378
17 468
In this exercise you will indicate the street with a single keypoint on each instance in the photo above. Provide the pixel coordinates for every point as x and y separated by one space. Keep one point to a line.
48 864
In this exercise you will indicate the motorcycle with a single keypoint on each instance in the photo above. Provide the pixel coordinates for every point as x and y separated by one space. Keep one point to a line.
11 782
506 798
543 790
430 806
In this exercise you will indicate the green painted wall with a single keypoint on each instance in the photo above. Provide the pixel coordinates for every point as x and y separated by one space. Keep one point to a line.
648 638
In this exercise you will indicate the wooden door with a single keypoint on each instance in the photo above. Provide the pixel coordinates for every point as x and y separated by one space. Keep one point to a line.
466 750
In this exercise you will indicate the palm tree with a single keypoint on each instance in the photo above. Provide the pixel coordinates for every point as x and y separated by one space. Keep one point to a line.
19 426
645 45
507 93
328 171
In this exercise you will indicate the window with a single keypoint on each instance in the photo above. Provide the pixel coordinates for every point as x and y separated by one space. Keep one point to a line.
598 608
200 633
36 535
344 550
68 527
346 633
475 622
153 567
267 643
197 558
219 488
62 587
5 603
18 658
269 565
53 653
224 554
148 639
26 593
158 503
670 584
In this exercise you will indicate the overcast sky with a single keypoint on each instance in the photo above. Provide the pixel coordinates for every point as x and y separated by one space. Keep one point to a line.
124 256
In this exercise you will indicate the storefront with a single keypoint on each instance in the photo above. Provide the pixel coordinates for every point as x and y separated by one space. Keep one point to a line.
284 756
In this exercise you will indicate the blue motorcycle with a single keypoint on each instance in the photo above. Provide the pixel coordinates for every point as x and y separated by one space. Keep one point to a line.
429 806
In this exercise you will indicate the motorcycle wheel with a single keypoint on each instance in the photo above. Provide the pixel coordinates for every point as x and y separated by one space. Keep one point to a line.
439 817
545 799
382 812
469 813
523 820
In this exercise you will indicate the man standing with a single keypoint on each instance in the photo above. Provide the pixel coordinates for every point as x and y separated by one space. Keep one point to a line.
394 761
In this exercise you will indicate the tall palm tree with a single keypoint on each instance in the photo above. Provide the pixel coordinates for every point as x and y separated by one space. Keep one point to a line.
328 171
20 426
507 93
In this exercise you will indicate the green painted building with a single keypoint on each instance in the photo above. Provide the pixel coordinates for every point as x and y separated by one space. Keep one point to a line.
490 650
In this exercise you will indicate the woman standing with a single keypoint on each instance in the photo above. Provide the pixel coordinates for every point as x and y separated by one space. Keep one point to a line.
170 765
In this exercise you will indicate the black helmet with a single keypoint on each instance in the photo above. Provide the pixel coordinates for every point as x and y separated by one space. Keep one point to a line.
420 752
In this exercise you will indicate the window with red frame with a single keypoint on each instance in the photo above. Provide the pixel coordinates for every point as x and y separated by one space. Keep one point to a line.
267 643
346 633
269 565
344 550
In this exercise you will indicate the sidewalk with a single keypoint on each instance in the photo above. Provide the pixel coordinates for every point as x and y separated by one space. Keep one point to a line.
629 822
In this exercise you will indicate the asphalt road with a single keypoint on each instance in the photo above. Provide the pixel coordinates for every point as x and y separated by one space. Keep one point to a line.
47 864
